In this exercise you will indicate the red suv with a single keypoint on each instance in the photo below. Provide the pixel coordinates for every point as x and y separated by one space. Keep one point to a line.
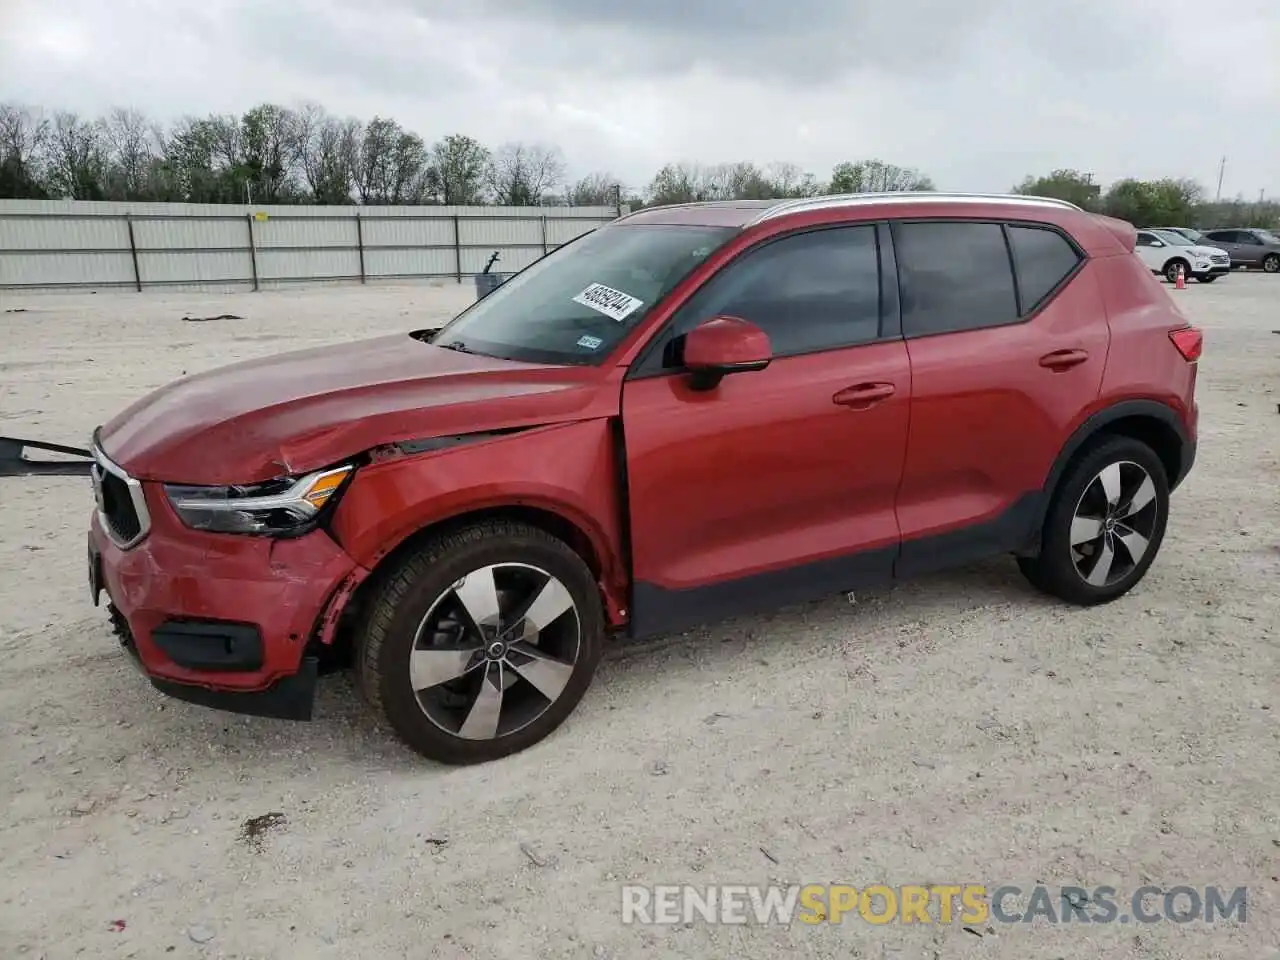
692 412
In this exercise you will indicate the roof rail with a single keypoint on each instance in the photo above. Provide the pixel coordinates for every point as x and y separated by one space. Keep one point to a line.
762 204
856 199
662 206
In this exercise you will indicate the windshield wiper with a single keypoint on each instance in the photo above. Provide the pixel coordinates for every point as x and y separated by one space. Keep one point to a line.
456 345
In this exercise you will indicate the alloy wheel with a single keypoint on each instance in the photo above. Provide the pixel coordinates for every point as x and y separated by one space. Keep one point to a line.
495 651
1113 524
1271 264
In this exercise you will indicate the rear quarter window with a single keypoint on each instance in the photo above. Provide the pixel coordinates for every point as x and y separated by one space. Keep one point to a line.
1043 259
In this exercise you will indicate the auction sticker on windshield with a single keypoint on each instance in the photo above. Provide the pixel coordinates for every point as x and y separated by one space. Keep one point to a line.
612 303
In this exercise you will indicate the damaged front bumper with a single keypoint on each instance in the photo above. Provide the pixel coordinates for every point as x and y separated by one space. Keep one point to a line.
225 621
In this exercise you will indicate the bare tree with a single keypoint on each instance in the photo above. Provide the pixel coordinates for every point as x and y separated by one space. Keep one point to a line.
788 180
77 158
130 141
594 190
521 174
223 131
327 148
24 133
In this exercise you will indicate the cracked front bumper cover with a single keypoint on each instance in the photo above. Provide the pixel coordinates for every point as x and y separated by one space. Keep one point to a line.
290 698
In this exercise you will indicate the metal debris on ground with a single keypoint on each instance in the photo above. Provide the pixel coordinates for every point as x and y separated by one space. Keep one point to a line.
533 856
15 460
221 316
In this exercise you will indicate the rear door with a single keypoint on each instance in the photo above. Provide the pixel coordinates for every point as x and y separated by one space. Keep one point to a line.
775 485
1000 373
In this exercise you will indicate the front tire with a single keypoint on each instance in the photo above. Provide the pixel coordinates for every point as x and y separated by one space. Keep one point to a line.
1171 270
1208 278
1271 263
482 642
1104 526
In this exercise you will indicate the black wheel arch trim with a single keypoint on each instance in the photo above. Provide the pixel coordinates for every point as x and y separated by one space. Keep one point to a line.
1123 410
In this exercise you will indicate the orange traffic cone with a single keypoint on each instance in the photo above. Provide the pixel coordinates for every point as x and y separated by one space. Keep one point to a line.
1181 282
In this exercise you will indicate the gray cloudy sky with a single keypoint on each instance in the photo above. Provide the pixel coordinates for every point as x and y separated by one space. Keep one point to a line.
976 93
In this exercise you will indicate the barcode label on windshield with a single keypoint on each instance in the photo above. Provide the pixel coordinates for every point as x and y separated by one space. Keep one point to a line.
612 303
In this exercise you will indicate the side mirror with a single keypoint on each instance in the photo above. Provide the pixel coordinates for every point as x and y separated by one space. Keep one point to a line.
1157 243
724 345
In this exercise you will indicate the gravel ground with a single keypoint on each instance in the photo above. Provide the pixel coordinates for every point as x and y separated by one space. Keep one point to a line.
955 729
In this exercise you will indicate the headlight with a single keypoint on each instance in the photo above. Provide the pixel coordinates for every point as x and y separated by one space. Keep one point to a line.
276 507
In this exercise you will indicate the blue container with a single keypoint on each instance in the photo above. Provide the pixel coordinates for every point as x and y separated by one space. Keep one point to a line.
486 283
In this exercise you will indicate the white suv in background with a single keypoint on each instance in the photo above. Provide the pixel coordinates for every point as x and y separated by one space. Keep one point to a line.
1165 252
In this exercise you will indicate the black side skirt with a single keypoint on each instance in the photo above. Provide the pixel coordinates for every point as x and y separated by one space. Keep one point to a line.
656 610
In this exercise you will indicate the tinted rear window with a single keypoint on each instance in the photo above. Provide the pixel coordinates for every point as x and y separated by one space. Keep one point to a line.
1043 258
953 276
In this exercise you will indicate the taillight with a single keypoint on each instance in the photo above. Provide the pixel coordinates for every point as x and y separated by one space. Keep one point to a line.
1189 341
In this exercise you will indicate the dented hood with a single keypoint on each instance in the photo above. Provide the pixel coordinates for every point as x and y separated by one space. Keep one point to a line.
304 410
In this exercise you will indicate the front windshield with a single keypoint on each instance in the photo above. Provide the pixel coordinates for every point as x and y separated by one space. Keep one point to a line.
1266 236
577 303
1176 239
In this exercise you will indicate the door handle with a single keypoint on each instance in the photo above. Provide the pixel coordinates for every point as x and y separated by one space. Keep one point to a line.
863 395
1061 360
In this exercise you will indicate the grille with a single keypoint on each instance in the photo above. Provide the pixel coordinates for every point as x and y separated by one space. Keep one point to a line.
1219 258
117 507
121 507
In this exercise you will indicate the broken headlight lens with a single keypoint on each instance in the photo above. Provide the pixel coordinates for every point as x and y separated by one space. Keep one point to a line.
274 508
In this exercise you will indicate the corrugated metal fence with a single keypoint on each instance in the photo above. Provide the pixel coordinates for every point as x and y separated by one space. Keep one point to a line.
70 244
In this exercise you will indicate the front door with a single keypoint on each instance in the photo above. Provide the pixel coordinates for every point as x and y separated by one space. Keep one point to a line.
778 485
1249 248
1228 240
1151 250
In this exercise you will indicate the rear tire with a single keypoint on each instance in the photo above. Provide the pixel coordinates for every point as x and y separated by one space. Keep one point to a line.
1105 524
1208 278
482 642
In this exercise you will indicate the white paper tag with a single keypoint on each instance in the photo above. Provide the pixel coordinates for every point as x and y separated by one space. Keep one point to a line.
612 303
590 342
